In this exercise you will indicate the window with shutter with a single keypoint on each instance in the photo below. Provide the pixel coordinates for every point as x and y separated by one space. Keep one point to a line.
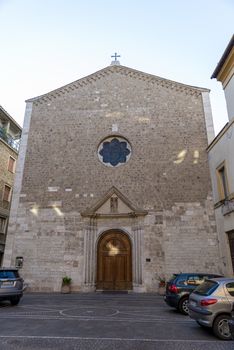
2 224
222 180
11 165
7 193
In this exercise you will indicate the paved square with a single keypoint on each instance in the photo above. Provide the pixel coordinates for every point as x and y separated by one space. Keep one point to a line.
100 321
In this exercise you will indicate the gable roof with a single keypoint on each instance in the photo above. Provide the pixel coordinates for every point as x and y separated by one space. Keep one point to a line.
133 211
135 74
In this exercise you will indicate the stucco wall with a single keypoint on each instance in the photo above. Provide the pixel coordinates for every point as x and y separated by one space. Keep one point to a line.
229 93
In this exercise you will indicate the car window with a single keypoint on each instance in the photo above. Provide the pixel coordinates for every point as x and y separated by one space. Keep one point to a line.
183 281
230 288
173 277
195 280
206 288
9 274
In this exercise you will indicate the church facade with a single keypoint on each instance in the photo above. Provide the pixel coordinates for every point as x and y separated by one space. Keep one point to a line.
112 186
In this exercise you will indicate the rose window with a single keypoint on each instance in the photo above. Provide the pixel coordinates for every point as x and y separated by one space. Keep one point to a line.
114 151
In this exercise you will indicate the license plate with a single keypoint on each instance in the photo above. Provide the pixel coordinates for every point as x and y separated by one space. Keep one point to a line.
7 283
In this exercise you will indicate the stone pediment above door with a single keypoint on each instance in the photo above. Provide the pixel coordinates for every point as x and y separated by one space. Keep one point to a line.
114 204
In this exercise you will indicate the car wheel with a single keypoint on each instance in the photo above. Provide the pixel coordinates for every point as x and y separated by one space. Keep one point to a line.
183 306
15 301
221 328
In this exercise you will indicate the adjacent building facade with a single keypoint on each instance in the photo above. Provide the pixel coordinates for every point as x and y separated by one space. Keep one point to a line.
221 160
113 186
10 133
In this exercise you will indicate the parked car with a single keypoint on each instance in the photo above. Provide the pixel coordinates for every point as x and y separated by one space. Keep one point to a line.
211 305
231 322
179 287
11 285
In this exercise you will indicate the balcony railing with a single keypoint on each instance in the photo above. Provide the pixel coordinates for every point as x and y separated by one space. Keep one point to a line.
228 207
9 139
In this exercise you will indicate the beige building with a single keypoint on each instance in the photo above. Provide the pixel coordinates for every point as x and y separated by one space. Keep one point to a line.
10 133
224 72
221 160
113 186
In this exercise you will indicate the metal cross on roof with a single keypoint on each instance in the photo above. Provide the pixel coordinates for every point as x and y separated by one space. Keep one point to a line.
115 56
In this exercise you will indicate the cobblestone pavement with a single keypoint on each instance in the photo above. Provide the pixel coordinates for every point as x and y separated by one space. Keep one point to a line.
100 321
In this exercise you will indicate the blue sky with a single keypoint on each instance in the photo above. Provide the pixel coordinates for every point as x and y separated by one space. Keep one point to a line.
49 43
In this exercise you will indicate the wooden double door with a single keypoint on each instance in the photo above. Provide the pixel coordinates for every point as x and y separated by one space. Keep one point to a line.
114 262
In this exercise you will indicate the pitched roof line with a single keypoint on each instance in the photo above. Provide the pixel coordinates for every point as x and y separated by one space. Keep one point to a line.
117 68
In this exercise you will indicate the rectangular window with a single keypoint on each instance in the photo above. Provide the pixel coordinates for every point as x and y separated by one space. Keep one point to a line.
230 288
2 225
206 288
222 182
11 164
195 280
7 193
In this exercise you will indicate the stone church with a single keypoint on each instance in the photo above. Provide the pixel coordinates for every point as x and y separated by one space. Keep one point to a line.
112 186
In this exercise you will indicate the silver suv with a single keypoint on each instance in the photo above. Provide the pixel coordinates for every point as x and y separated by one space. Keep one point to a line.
11 285
211 304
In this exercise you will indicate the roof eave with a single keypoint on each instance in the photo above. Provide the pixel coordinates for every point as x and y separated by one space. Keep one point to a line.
223 58
10 117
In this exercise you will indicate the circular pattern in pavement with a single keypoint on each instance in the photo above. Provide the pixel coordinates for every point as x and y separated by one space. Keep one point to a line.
89 312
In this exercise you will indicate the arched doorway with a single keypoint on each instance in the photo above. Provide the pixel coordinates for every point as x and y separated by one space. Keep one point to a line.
114 261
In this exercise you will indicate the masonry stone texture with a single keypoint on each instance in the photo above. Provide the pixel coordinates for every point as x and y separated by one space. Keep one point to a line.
6 179
164 189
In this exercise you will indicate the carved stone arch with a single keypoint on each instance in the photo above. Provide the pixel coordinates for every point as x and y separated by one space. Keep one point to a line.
102 231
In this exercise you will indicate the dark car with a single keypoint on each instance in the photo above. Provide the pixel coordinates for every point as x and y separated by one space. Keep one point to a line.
180 286
231 322
11 285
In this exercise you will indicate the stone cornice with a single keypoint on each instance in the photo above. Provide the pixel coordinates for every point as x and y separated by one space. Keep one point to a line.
114 215
125 71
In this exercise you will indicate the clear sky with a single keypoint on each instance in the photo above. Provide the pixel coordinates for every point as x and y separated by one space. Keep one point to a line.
46 44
